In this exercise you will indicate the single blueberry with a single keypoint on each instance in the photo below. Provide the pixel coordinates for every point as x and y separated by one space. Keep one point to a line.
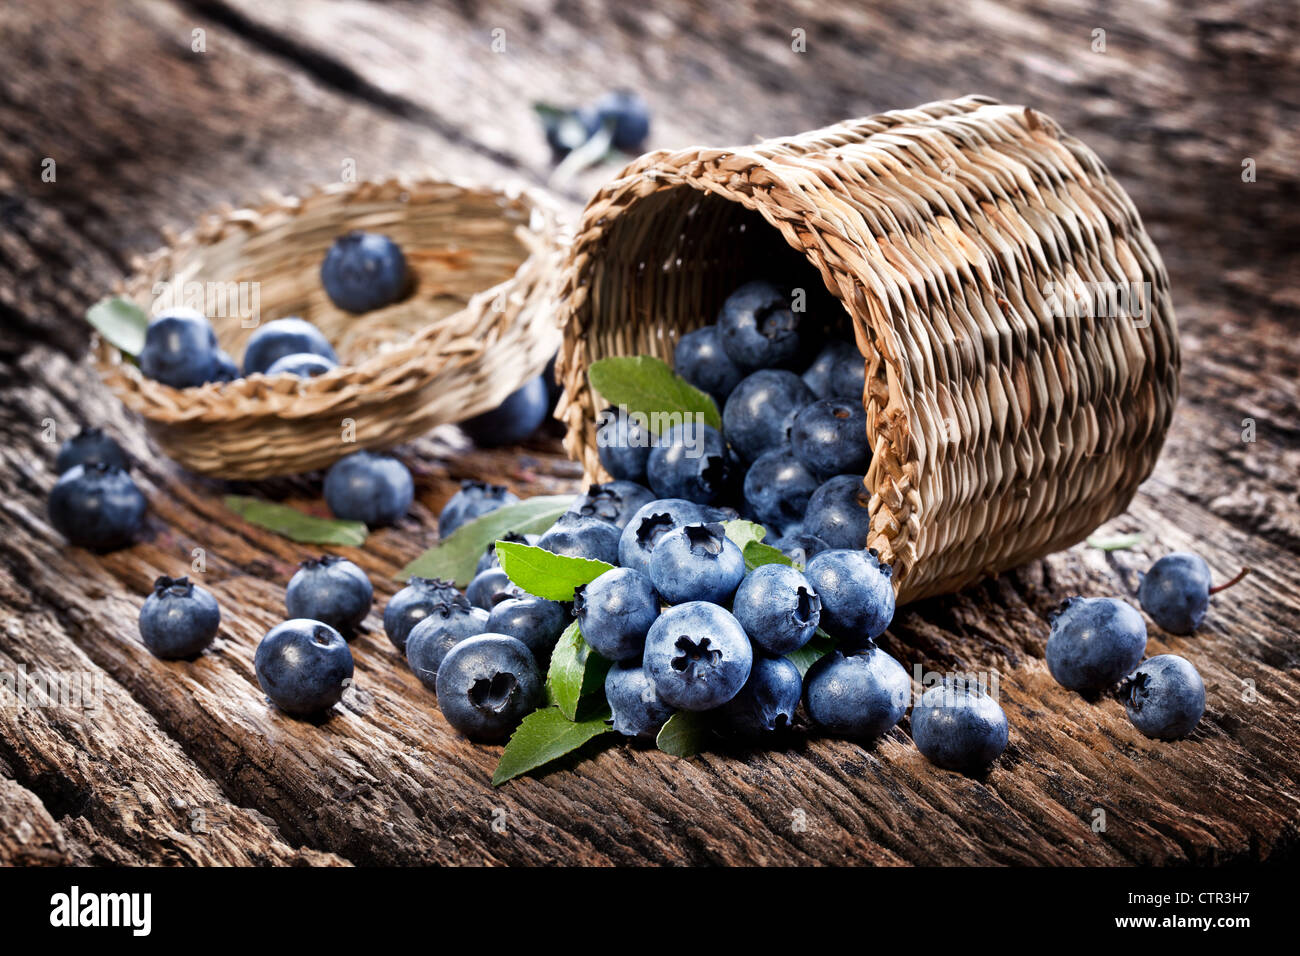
1164 697
331 590
650 523
820 375
514 420
490 588
433 636
473 500
180 349
959 727
490 559
800 546
179 619
830 437
856 592
303 666
90 446
582 536
302 364
625 113
700 360
839 512
615 612
535 622
778 608
690 461
697 656
1095 643
697 562
849 379
364 271
623 444
487 684
415 602
862 694
613 501
369 487
768 700
758 329
284 337
778 486
760 411
636 709
96 507
1176 592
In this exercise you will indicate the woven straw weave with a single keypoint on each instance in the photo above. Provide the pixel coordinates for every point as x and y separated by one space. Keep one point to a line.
1004 424
478 324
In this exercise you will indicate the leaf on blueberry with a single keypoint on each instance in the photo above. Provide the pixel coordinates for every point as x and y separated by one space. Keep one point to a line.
293 524
647 385
545 574
121 322
1117 542
456 558
757 554
742 532
546 735
683 735
576 672
818 647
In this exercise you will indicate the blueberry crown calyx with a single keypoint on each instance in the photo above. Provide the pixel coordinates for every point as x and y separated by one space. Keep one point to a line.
324 561
178 586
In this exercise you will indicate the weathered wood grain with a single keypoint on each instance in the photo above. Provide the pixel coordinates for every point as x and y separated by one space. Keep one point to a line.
147 133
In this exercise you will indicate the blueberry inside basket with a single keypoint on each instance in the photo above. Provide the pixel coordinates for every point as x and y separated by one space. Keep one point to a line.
1014 317
477 323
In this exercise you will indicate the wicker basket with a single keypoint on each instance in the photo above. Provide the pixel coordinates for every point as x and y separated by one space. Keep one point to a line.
1005 421
478 323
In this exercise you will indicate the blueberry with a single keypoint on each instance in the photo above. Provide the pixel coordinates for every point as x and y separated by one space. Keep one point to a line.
627 115
369 487
535 622
1176 592
959 727
758 329
415 602
90 447
650 523
364 271
565 131
432 637
778 486
475 499
225 369
582 536
179 619
302 364
690 461
800 546
490 559
96 507
849 380
700 360
331 590
615 612
623 443
613 501
839 512
768 700
180 349
760 411
696 562
830 437
303 666
820 375
856 592
1095 642
862 694
284 337
1164 697
637 710
778 608
697 656
487 684
490 588
514 420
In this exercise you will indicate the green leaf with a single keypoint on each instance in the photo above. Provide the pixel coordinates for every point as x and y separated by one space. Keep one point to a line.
683 735
296 526
647 385
547 575
757 554
121 322
456 558
742 532
576 672
546 735
818 647
1118 542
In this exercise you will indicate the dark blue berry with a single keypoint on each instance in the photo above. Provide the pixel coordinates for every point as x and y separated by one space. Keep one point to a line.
615 612
303 666
636 709
96 507
473 500
302 364
849 380
761 410
623 444
487 684
1095 643
364 271
650 523
1176 592
582 536
700 360
799 546
613 501
697 656
369 487
415 602
778 608
332 590
856 592
535 622
862 694
959 727
625 113
839 512
180 349
283 337
490 559
830 437
514 420
697 562
768 700
179 619
758 329
820 375
778 486
1164 697
490 588
90 447
690 461
433 636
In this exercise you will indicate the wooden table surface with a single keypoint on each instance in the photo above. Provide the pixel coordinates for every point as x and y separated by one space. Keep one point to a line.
185 762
